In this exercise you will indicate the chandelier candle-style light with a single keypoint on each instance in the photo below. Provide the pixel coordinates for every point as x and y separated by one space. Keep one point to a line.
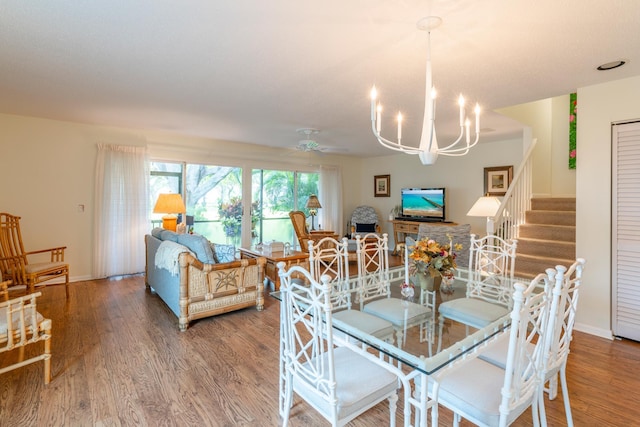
428 149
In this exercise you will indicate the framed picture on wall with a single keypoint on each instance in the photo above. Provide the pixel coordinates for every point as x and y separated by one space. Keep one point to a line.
381 186
497 180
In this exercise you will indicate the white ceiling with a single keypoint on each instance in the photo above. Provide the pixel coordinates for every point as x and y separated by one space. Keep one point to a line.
255 71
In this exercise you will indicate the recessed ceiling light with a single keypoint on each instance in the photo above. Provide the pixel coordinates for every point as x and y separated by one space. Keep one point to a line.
611 65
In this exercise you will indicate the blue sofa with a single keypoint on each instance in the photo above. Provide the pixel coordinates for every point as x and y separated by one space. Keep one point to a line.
197 279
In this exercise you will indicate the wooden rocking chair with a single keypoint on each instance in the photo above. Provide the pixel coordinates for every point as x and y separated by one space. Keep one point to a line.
14 265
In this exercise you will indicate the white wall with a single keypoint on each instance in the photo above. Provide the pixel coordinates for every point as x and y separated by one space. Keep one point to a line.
598 107
548 120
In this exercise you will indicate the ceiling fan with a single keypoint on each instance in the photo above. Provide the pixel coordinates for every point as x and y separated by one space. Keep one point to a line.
308 144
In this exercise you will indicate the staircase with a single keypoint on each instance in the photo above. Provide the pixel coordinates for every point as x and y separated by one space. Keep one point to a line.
548 236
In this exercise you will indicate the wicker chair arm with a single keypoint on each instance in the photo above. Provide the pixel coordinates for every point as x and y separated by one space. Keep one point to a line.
57 254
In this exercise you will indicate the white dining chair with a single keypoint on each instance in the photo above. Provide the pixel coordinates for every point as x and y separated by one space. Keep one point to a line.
375 292
339 381
564 302
489 285
487 395
331 257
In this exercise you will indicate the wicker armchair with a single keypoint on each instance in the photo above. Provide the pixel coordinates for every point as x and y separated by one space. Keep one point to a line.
21 325
299 221
13 258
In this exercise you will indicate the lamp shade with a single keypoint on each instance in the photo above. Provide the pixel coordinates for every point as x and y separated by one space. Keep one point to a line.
485 206
313 202
169 203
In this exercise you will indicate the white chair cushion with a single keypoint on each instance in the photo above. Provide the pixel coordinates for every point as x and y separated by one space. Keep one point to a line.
496 351
393 310
365 322
15 318
360 383
476 386
472 312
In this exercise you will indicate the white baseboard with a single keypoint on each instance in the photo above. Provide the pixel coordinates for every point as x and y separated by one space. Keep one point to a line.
602 333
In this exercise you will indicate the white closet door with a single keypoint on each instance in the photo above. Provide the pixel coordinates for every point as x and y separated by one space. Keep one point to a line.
625 233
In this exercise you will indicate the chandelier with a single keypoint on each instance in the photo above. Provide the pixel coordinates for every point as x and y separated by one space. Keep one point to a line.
428 150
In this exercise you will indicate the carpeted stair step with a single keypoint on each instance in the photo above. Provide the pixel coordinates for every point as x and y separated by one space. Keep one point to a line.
562 233
528 267
553 204
551 217
546 248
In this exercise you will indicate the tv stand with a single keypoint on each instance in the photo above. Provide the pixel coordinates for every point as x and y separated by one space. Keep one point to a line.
401 228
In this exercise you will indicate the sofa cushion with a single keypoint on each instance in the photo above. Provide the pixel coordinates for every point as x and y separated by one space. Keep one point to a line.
198 245
157 232
169 235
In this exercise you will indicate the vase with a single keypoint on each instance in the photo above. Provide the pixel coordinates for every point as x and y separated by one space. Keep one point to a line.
447 285
426 282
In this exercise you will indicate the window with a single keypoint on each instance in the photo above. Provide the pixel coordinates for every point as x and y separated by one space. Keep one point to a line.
276 193
213 196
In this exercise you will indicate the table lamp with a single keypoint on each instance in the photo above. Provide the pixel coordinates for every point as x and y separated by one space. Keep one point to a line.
313 204
171 205
486 206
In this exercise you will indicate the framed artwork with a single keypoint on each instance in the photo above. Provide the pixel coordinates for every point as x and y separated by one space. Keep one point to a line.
497 180
382 185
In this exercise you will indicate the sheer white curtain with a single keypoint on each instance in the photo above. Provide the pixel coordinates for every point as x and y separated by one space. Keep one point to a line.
330 195
120 220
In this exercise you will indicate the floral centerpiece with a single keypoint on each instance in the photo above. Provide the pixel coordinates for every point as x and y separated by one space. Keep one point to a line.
432 259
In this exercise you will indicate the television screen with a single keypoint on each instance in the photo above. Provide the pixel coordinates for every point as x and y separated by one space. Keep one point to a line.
423 203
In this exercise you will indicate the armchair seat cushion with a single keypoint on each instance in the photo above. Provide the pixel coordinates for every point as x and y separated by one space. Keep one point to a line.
40 267
472 312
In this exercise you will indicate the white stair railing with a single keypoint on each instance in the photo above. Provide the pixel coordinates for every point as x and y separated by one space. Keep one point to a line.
517 201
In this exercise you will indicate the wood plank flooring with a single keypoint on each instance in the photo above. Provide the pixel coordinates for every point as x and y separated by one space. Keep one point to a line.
120 360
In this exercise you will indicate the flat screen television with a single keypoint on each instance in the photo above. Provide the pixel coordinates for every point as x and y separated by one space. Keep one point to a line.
423 204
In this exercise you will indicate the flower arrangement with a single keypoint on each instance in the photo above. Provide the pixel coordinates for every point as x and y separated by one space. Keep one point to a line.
433 258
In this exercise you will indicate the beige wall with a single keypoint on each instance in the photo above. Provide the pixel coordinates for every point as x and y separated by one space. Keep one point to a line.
48 169
598 107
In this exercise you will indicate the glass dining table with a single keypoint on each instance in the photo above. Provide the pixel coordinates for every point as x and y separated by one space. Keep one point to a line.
417 358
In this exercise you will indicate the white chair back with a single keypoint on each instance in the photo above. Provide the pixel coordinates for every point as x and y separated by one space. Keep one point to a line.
328 377
563 309
330 257
491 269
373 267
307 348
564 306
526 349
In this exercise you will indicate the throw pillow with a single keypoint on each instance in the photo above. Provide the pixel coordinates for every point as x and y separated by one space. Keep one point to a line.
198 245
169 235
157 232
365 228
224 253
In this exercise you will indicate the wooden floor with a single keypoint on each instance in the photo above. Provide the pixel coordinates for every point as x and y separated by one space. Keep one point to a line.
119 360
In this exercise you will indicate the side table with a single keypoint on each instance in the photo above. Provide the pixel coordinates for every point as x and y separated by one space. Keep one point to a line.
273 258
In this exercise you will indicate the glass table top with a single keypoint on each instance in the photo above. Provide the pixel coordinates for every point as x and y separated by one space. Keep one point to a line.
456 339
